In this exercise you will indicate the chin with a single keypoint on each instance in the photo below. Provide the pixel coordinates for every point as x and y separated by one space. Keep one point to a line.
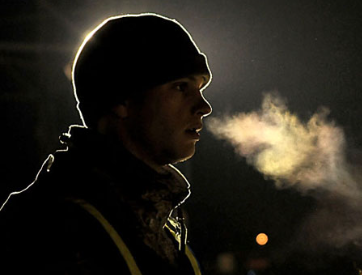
185 157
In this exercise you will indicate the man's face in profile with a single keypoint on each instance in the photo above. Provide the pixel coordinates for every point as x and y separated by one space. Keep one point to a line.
167 120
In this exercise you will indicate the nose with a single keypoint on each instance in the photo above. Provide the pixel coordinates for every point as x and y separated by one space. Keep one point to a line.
203 107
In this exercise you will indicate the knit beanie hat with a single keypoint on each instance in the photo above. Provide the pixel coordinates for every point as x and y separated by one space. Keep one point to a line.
129 54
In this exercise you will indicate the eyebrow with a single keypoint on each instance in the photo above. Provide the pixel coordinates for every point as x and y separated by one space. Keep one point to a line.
193 78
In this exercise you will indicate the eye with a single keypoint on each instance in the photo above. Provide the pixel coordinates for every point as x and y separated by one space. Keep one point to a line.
181 86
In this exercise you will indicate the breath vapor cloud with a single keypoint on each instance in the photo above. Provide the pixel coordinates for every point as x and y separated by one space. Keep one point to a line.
308 156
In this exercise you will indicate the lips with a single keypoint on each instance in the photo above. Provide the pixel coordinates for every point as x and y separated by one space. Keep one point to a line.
195 128
194 131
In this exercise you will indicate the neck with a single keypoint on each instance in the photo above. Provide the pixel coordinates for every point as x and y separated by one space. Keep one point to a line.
143 155
121 134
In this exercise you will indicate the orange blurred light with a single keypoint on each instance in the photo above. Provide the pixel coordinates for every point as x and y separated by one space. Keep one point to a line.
262 239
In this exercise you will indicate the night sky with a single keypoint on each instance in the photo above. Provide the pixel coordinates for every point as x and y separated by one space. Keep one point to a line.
308 51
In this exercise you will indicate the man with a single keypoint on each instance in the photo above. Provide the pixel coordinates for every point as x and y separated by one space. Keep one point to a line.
110 203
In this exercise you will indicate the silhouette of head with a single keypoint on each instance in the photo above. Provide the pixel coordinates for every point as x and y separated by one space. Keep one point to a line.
127 55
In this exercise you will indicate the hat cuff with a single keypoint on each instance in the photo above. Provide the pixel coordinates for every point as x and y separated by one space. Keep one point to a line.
176 68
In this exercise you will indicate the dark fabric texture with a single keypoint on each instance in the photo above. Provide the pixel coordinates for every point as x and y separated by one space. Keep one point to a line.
42 232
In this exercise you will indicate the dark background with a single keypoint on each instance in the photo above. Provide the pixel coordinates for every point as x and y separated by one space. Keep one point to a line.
310 51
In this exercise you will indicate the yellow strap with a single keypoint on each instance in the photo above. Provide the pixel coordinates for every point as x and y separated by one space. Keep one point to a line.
122 247
193 261
188 252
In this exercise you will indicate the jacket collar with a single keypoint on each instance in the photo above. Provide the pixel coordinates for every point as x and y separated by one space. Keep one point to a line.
112 160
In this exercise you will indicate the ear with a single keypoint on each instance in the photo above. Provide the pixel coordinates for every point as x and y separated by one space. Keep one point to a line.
121 110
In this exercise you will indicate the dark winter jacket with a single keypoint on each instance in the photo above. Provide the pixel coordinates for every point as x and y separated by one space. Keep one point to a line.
96 209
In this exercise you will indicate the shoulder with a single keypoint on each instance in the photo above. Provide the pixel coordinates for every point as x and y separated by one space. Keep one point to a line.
57 237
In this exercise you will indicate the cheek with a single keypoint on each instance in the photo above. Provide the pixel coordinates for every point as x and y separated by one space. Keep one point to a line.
165 116
168 116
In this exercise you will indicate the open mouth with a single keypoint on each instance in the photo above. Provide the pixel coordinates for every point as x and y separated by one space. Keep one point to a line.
194 132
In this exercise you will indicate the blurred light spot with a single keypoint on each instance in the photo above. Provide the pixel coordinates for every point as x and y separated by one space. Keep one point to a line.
258 264
226 263
262 239
67 69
